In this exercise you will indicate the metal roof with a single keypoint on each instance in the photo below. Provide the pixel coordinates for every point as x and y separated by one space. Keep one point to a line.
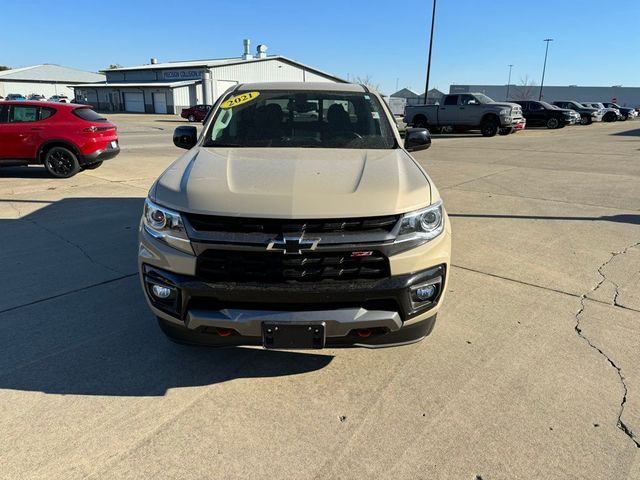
50 73
332 87
222 62
182 83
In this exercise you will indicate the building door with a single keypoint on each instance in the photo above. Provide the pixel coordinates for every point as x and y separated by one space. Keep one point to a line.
160 102
134 102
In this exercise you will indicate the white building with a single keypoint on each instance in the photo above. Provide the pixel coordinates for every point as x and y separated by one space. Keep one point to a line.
623 96
169 87
45 80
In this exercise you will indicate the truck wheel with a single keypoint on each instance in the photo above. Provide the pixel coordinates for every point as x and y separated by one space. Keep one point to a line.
489 127
61 162
420 122
506 130
553 122
610 117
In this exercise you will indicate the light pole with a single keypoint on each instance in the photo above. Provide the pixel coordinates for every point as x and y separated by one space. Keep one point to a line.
433 22
509 81
546 51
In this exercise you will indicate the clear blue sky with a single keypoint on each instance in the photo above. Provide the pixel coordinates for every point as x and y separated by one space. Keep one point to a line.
597 42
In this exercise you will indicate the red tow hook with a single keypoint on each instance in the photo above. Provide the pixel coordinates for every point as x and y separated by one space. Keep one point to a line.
364 332
224 332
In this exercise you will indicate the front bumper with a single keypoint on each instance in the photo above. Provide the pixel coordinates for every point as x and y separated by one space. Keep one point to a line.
384 309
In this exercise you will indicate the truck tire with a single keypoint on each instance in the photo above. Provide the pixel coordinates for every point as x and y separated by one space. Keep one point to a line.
489 127
553 123
420 121
506 130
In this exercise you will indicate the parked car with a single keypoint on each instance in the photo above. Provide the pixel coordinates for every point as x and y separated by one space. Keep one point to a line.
588 115
197 113
608 114
466 111
296 241
59 98
542 114
626 112
15 97
36 98
65 138
575 116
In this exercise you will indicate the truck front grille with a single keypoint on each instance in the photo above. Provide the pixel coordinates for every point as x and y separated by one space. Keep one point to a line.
210 223
275 267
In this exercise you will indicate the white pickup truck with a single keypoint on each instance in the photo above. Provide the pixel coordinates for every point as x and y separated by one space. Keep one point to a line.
467 111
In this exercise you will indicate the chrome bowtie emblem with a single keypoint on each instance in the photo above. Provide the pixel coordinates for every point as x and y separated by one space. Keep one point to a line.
292 245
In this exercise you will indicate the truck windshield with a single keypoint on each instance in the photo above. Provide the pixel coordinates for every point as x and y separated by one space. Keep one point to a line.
321 119
483 98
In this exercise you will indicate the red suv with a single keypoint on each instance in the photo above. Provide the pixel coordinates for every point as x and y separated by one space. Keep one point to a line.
197 113
64 137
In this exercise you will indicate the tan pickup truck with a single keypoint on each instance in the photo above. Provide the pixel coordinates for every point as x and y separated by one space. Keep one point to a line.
296 219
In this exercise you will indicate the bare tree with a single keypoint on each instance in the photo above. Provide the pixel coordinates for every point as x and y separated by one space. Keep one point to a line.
4 67
367 81
526 90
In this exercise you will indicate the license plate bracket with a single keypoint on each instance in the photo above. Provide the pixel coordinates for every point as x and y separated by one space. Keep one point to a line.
293 335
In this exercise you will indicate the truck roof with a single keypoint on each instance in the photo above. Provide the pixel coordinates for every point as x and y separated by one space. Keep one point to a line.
328 86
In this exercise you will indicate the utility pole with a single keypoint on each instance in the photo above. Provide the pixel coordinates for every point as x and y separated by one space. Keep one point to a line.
544 68
433 22
509 81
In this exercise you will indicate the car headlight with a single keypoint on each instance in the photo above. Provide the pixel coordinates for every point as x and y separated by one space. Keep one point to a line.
505 111
424 224
166 225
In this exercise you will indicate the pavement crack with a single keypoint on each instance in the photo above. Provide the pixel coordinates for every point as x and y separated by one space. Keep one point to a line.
73 244
620 423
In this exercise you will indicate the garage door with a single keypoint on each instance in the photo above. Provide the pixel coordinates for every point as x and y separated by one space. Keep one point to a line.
159 103
134 102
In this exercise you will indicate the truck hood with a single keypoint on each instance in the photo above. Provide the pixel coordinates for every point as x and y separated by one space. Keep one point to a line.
293 183
504 104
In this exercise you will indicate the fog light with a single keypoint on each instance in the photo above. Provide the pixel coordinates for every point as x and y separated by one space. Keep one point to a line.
161 292
426 292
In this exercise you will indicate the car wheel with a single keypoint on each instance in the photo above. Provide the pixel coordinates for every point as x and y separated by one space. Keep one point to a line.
609 117
191 118
553 122
506 130
92 166
625 118
61 162
585 120
489 127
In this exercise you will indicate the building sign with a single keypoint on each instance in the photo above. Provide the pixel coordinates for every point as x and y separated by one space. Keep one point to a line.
182 75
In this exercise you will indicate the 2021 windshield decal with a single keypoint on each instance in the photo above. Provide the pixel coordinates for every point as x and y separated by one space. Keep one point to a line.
239 99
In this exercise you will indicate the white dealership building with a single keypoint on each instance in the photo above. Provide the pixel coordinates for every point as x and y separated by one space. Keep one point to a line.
46 80
171 86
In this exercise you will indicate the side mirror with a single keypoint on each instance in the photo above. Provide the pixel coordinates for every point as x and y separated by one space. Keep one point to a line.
185 137
417 139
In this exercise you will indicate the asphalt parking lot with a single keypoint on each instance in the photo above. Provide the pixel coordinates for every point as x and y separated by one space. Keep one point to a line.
532 370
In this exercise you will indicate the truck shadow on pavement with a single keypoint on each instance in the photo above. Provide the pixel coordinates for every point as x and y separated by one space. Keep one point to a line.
74 320
628 133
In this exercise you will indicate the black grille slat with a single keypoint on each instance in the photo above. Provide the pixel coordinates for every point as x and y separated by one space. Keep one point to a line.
209 223
251 266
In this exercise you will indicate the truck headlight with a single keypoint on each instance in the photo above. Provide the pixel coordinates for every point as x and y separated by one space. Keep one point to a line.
505 111
165 225
425 224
